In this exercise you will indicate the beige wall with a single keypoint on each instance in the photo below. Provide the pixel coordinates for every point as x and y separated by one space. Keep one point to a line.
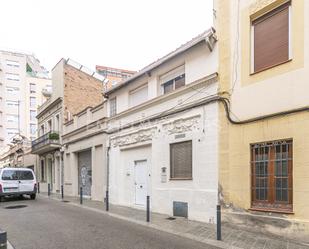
274 90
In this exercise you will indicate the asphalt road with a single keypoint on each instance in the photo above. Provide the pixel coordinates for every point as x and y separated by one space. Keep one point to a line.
52 224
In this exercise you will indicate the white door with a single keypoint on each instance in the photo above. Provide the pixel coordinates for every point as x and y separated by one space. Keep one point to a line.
140 170
26 181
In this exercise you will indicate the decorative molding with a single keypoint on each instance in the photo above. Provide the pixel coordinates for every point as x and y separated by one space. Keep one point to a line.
133 138
182 125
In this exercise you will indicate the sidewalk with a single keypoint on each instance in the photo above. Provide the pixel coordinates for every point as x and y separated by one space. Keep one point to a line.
203 232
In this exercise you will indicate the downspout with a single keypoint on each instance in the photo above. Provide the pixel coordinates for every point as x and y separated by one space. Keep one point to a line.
107 177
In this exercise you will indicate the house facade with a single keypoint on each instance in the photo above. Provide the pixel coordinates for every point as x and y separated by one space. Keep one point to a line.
263 68
163 134
74 88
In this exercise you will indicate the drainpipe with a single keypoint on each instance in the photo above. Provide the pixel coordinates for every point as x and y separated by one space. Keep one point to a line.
107 177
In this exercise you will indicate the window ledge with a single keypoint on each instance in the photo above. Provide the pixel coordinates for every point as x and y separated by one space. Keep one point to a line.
266 68
181 179
269 210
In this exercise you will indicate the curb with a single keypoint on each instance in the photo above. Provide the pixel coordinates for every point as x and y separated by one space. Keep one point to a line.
219 244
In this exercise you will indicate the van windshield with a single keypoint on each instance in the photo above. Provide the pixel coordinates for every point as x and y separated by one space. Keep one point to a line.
17 175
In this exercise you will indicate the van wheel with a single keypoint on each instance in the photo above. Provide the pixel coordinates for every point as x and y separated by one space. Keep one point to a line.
33 196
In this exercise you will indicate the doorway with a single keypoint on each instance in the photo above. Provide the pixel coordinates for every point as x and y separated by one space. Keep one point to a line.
85 172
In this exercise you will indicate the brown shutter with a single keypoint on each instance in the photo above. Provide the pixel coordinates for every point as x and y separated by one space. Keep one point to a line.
181 160
271 38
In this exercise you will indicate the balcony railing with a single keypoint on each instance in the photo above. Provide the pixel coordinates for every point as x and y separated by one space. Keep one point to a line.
50 138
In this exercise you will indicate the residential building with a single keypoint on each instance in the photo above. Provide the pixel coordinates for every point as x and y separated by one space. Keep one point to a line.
18 154
22 81
163 133
113 75
75 87
264 146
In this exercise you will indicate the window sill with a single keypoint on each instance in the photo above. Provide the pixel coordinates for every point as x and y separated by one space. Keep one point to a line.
270 210
181 179
270 67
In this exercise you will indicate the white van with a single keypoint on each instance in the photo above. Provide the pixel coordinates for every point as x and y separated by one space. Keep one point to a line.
17 182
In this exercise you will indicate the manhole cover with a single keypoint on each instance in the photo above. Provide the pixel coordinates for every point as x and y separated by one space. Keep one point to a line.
16 207
65 201
171 218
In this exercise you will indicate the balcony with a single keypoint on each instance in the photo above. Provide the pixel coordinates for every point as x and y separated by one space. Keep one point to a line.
48 142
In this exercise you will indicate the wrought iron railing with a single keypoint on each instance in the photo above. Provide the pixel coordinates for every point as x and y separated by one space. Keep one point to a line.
52 137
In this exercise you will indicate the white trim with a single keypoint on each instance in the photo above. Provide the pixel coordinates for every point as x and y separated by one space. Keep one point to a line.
290 33
252 49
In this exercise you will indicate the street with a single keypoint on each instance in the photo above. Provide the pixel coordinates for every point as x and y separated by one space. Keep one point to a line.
45 223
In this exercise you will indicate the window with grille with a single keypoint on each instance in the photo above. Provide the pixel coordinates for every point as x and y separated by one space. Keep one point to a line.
271 38
271 175
181 160
113 107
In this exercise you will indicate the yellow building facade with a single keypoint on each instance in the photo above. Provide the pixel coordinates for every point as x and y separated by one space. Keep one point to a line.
264 148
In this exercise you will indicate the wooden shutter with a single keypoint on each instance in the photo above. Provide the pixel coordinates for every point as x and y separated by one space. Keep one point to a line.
271 38
181 160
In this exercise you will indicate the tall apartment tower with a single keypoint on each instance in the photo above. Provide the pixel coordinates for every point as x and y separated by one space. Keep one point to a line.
24 85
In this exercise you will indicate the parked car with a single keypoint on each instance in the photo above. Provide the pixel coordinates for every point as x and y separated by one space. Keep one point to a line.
17 182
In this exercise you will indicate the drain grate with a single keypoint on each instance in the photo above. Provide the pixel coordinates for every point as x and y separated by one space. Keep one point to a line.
171 218
16 207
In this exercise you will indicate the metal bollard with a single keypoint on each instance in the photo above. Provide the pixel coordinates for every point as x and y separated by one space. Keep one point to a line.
62 193
218 222
3 240
81 195
148 209
107 200
38 189
48 189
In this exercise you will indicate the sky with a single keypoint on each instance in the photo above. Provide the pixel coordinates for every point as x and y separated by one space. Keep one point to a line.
126 34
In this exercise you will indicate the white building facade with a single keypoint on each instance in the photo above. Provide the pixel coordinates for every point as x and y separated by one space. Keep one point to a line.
24 85
163 134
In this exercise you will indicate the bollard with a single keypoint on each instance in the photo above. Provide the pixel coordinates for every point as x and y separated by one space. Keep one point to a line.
81 195
3 240
38 189
48 189
107 200
148 209
62 194
218 222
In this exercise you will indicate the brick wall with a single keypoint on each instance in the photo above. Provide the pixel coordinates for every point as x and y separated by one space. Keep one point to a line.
80 91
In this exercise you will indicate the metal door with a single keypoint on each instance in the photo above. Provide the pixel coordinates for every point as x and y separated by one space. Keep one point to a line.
140 170
85 172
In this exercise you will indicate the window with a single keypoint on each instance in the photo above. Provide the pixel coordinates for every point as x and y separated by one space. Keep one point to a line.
271 38
271 175
11 103
113 106
173 79
12 90
181 160
12 131
32 88
12 76
9 175
32 129
12 118
25 175
32 115
11 63
138 95
32 102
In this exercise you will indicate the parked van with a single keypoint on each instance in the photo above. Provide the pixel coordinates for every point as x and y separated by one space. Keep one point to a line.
17 182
